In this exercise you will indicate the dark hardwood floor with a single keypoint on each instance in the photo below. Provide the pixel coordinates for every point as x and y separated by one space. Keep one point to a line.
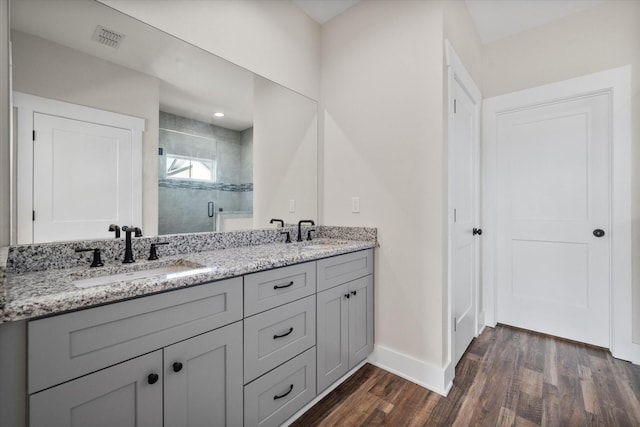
507 377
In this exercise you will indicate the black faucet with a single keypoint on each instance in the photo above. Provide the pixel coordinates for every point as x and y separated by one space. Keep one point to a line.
128 253
277 220
115 228
305 221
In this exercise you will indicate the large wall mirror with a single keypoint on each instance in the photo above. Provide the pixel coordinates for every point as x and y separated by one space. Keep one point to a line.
222 148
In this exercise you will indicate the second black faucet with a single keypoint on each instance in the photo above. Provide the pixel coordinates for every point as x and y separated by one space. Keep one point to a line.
128 252
304 221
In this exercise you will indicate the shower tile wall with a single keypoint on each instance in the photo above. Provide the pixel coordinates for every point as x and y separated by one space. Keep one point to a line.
183 205
246 168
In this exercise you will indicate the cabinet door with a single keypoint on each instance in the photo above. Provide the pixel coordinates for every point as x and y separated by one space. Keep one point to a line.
360 319
203 380
333 339
117 396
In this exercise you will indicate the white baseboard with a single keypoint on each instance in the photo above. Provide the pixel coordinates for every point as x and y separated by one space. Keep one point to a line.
635 354
436 379
481 322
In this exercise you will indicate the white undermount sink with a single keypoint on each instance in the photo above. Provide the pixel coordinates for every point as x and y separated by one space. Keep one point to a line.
324 244
167 272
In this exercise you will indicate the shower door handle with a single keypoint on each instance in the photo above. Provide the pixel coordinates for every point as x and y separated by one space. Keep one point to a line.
210 209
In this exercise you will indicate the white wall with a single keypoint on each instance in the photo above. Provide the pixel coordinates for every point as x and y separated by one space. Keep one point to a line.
50 70
599 38
285 129
382 101
274 38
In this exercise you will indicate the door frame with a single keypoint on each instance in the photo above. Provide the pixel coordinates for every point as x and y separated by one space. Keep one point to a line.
26 106
456 72
617 83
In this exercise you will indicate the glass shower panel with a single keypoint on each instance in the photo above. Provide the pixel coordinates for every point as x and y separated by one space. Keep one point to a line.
205 180
187 195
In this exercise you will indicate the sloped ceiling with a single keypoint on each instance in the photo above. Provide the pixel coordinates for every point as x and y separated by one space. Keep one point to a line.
494 19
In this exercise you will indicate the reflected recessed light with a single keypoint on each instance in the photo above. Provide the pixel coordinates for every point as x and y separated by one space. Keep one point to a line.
218 114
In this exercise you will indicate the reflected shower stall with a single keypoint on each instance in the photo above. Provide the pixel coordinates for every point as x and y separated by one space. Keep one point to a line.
205 176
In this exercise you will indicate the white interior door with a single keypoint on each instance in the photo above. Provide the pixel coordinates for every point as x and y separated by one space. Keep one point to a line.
552 193
464 173
82 178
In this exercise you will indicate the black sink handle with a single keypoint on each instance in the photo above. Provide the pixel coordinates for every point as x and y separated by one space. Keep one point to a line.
97 260
153 253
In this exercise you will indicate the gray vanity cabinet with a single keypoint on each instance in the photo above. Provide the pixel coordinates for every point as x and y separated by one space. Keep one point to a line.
117 396
172 359
345 317
249 350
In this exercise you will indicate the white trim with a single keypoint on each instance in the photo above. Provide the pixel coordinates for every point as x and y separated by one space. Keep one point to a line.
456 71
617 82
437 379
26 105
455 64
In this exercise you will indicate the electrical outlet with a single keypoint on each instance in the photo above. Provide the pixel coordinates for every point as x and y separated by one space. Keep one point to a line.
292 205
355 204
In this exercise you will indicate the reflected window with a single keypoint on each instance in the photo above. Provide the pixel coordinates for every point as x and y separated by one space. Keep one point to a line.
182 167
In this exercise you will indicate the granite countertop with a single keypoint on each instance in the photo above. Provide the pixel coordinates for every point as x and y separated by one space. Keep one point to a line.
35 294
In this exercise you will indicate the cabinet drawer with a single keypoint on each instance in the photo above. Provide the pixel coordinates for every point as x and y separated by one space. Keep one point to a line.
343 268
276 396
269 289
84 341
277 335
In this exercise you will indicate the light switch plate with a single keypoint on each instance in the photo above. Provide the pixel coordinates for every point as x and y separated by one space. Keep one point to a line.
355 204
292 205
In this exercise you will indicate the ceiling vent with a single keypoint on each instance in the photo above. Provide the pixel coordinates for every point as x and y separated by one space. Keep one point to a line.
107 37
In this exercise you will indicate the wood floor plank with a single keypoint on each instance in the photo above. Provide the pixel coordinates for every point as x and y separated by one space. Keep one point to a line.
590 397
629 389
530 408
531 382
414 408
605 382
507 377
389 388
550 368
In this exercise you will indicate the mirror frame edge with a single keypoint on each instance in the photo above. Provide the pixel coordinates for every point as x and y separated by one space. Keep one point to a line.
5 128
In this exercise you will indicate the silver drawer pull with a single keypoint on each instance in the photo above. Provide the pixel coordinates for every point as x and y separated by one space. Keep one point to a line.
283 286
275 337
276 397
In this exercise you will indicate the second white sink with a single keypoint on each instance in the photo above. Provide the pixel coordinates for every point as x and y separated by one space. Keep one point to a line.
323 244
